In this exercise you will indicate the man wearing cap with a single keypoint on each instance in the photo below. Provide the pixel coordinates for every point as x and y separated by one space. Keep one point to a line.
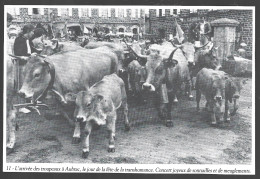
23 45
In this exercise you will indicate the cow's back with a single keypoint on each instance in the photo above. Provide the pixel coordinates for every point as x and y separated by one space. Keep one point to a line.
80 69
111 86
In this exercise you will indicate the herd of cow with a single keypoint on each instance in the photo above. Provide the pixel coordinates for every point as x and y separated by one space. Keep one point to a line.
95 81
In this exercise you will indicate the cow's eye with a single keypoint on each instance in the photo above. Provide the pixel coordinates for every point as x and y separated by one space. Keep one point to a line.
88 105
37 75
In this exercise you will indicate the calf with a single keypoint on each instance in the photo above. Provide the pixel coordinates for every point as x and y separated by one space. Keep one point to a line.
233 87
211 83
98 105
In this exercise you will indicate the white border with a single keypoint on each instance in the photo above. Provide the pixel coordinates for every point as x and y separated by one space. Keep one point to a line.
218 168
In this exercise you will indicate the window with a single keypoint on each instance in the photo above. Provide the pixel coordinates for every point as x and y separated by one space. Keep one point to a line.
35 11
121 29
160 12
175 11
135 31
103 12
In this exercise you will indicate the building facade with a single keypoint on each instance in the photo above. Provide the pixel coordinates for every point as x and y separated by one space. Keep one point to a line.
113 19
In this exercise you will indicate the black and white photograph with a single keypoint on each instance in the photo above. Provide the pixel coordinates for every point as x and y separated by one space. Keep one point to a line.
129 89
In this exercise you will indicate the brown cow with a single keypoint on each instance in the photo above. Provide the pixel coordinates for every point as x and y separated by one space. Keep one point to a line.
99 105
211 84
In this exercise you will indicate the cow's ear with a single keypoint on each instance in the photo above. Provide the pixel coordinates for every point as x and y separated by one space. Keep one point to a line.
70 97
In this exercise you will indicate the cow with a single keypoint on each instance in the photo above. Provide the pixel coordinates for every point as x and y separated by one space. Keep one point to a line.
53 46
164 76
136 71
211 84
184 55
98 106
233 86
67 72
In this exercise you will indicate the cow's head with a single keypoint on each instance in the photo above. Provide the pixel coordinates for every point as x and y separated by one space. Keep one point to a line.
90 107
39 74
233 88
51 47
135 54
156 69
188 51
209 58
218 92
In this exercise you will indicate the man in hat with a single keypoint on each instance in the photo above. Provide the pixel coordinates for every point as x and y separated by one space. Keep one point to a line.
23 45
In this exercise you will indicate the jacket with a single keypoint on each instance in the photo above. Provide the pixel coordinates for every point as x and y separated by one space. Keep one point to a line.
20 47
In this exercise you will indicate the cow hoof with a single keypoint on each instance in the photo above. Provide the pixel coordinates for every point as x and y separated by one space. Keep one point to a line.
191 98
85 154
9 150
127 127
169 123
111 150
175 100
75 140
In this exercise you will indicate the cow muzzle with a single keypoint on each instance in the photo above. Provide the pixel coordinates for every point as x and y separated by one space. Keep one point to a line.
80 119
147 86
24 95
236 96
218 98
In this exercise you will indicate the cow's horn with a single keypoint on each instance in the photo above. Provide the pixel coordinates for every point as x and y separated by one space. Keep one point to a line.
171 55
175 45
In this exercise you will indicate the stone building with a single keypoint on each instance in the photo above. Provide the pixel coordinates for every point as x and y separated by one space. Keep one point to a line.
161 22
112 19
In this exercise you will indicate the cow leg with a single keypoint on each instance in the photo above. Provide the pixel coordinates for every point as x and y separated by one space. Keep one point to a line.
11 131
125 107
169 121
111 125
76 134
87 131
198 96
164 100
227 113
212 114
188 89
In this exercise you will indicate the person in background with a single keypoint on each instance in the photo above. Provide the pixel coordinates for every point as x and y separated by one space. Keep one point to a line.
23 45
241 51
